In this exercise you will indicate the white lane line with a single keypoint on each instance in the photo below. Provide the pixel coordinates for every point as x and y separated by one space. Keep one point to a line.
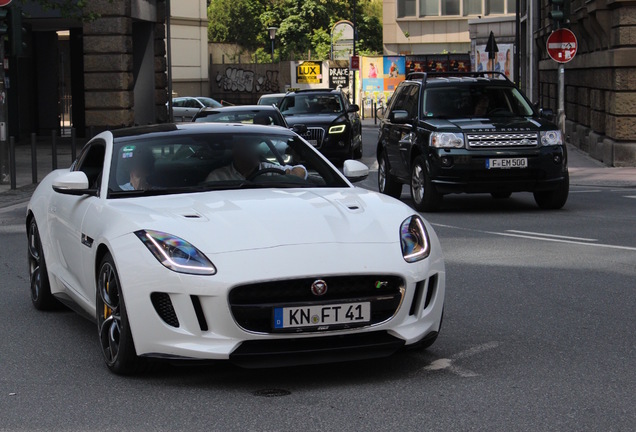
447 363
585 191
12 229
551 235
555 240
629 196
13 207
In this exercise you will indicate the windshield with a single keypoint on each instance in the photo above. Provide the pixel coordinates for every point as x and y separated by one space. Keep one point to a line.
269 100
263 117
194 162
475 101
311 104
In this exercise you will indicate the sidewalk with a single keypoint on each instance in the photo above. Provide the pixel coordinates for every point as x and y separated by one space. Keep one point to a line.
584 171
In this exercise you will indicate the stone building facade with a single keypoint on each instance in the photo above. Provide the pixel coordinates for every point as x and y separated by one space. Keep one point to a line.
125 80
600 92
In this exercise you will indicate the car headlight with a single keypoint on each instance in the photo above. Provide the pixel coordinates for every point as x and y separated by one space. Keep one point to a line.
414 240
447 140
175 253
551 137
337 129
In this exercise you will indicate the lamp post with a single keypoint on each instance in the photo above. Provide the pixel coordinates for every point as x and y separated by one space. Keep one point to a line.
272 36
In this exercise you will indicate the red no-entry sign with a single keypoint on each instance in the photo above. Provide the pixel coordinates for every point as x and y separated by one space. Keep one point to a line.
562 45
4 2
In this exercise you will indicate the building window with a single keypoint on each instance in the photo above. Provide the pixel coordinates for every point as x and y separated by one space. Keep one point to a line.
429 7
406 8
494 7
450 7
511 6
473 7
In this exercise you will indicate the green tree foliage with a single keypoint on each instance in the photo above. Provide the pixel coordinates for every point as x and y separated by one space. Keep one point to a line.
303 25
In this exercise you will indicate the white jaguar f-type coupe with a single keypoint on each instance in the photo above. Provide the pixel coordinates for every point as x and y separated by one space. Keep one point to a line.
231 242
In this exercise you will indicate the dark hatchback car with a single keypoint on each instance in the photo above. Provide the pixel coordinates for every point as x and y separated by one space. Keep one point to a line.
258 114
333 125
469 133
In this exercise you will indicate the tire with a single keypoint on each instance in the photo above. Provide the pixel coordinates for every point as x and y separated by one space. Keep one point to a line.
387 184
41 296
554 199
425 197
115 337
500 195
357 153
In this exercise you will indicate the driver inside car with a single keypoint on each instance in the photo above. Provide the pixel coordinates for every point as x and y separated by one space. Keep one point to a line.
246 162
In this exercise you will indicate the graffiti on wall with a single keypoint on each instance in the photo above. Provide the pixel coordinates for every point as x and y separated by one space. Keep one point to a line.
241 80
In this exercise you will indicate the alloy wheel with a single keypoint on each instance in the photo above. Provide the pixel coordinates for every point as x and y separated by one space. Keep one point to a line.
109 315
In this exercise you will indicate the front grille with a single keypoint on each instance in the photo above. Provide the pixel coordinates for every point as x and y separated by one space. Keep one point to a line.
165 309
314 134
490 140
253 305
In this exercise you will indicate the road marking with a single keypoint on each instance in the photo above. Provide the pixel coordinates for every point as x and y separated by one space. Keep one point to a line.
551 235
629 196
12 229
13 207
447 363
555 240
585 191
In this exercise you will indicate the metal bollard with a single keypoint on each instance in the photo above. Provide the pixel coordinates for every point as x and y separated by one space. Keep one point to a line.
375 113
34 158
73 145
53 150
12 162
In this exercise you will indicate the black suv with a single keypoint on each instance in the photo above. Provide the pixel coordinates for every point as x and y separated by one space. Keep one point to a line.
333 125
469 132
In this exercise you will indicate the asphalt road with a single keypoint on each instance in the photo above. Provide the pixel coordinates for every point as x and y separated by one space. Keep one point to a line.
539 334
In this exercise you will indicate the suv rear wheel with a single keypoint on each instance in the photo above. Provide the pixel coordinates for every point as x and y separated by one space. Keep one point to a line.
387 184
424 195
554 199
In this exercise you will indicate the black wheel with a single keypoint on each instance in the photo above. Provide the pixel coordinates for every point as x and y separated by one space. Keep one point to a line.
387 184
112 322
554 199
41 296
500 195
425 197
357 153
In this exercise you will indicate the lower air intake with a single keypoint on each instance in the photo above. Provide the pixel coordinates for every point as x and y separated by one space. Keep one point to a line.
164 308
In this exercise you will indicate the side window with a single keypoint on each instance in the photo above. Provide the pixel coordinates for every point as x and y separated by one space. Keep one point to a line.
411 100
396 99
91 162
177 102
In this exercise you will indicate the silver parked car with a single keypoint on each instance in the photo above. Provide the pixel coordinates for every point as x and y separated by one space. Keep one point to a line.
184 108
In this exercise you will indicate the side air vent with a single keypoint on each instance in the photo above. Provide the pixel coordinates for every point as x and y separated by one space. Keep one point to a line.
198 310
165 309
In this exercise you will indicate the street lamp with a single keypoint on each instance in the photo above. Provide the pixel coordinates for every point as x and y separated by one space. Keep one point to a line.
272 36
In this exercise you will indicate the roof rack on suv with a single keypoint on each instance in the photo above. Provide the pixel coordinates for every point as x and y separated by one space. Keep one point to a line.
482 74
313 90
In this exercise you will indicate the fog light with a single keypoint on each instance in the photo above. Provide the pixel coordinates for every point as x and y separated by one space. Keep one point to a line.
557 158
447 161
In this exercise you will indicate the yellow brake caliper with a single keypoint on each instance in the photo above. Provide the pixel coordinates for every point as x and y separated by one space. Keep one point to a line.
107 310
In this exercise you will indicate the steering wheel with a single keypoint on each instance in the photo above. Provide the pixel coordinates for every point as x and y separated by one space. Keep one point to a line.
263 171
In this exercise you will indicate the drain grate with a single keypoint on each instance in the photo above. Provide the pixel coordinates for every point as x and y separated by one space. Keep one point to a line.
272 392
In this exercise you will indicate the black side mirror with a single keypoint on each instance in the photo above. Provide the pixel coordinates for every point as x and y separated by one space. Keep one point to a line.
399 117
547 113
300 129
353 108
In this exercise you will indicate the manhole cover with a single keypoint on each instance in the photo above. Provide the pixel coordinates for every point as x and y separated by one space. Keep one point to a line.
272 392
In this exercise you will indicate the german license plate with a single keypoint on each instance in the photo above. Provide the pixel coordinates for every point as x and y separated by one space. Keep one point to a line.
321 315
313 142
506 163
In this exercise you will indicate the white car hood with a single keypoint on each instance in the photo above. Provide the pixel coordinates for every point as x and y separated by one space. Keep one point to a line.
226 221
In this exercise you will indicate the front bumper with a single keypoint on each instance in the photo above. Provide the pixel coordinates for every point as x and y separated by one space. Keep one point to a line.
462 170
222 338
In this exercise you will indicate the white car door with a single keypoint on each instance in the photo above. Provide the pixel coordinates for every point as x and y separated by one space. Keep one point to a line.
67 214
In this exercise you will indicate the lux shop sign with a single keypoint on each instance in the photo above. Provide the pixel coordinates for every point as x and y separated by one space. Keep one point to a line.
309 72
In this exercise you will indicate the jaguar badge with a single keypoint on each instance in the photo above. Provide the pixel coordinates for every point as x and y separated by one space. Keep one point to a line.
319 287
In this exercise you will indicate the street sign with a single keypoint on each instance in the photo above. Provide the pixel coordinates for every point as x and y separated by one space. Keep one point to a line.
562 45
4 3
491 47
355 62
